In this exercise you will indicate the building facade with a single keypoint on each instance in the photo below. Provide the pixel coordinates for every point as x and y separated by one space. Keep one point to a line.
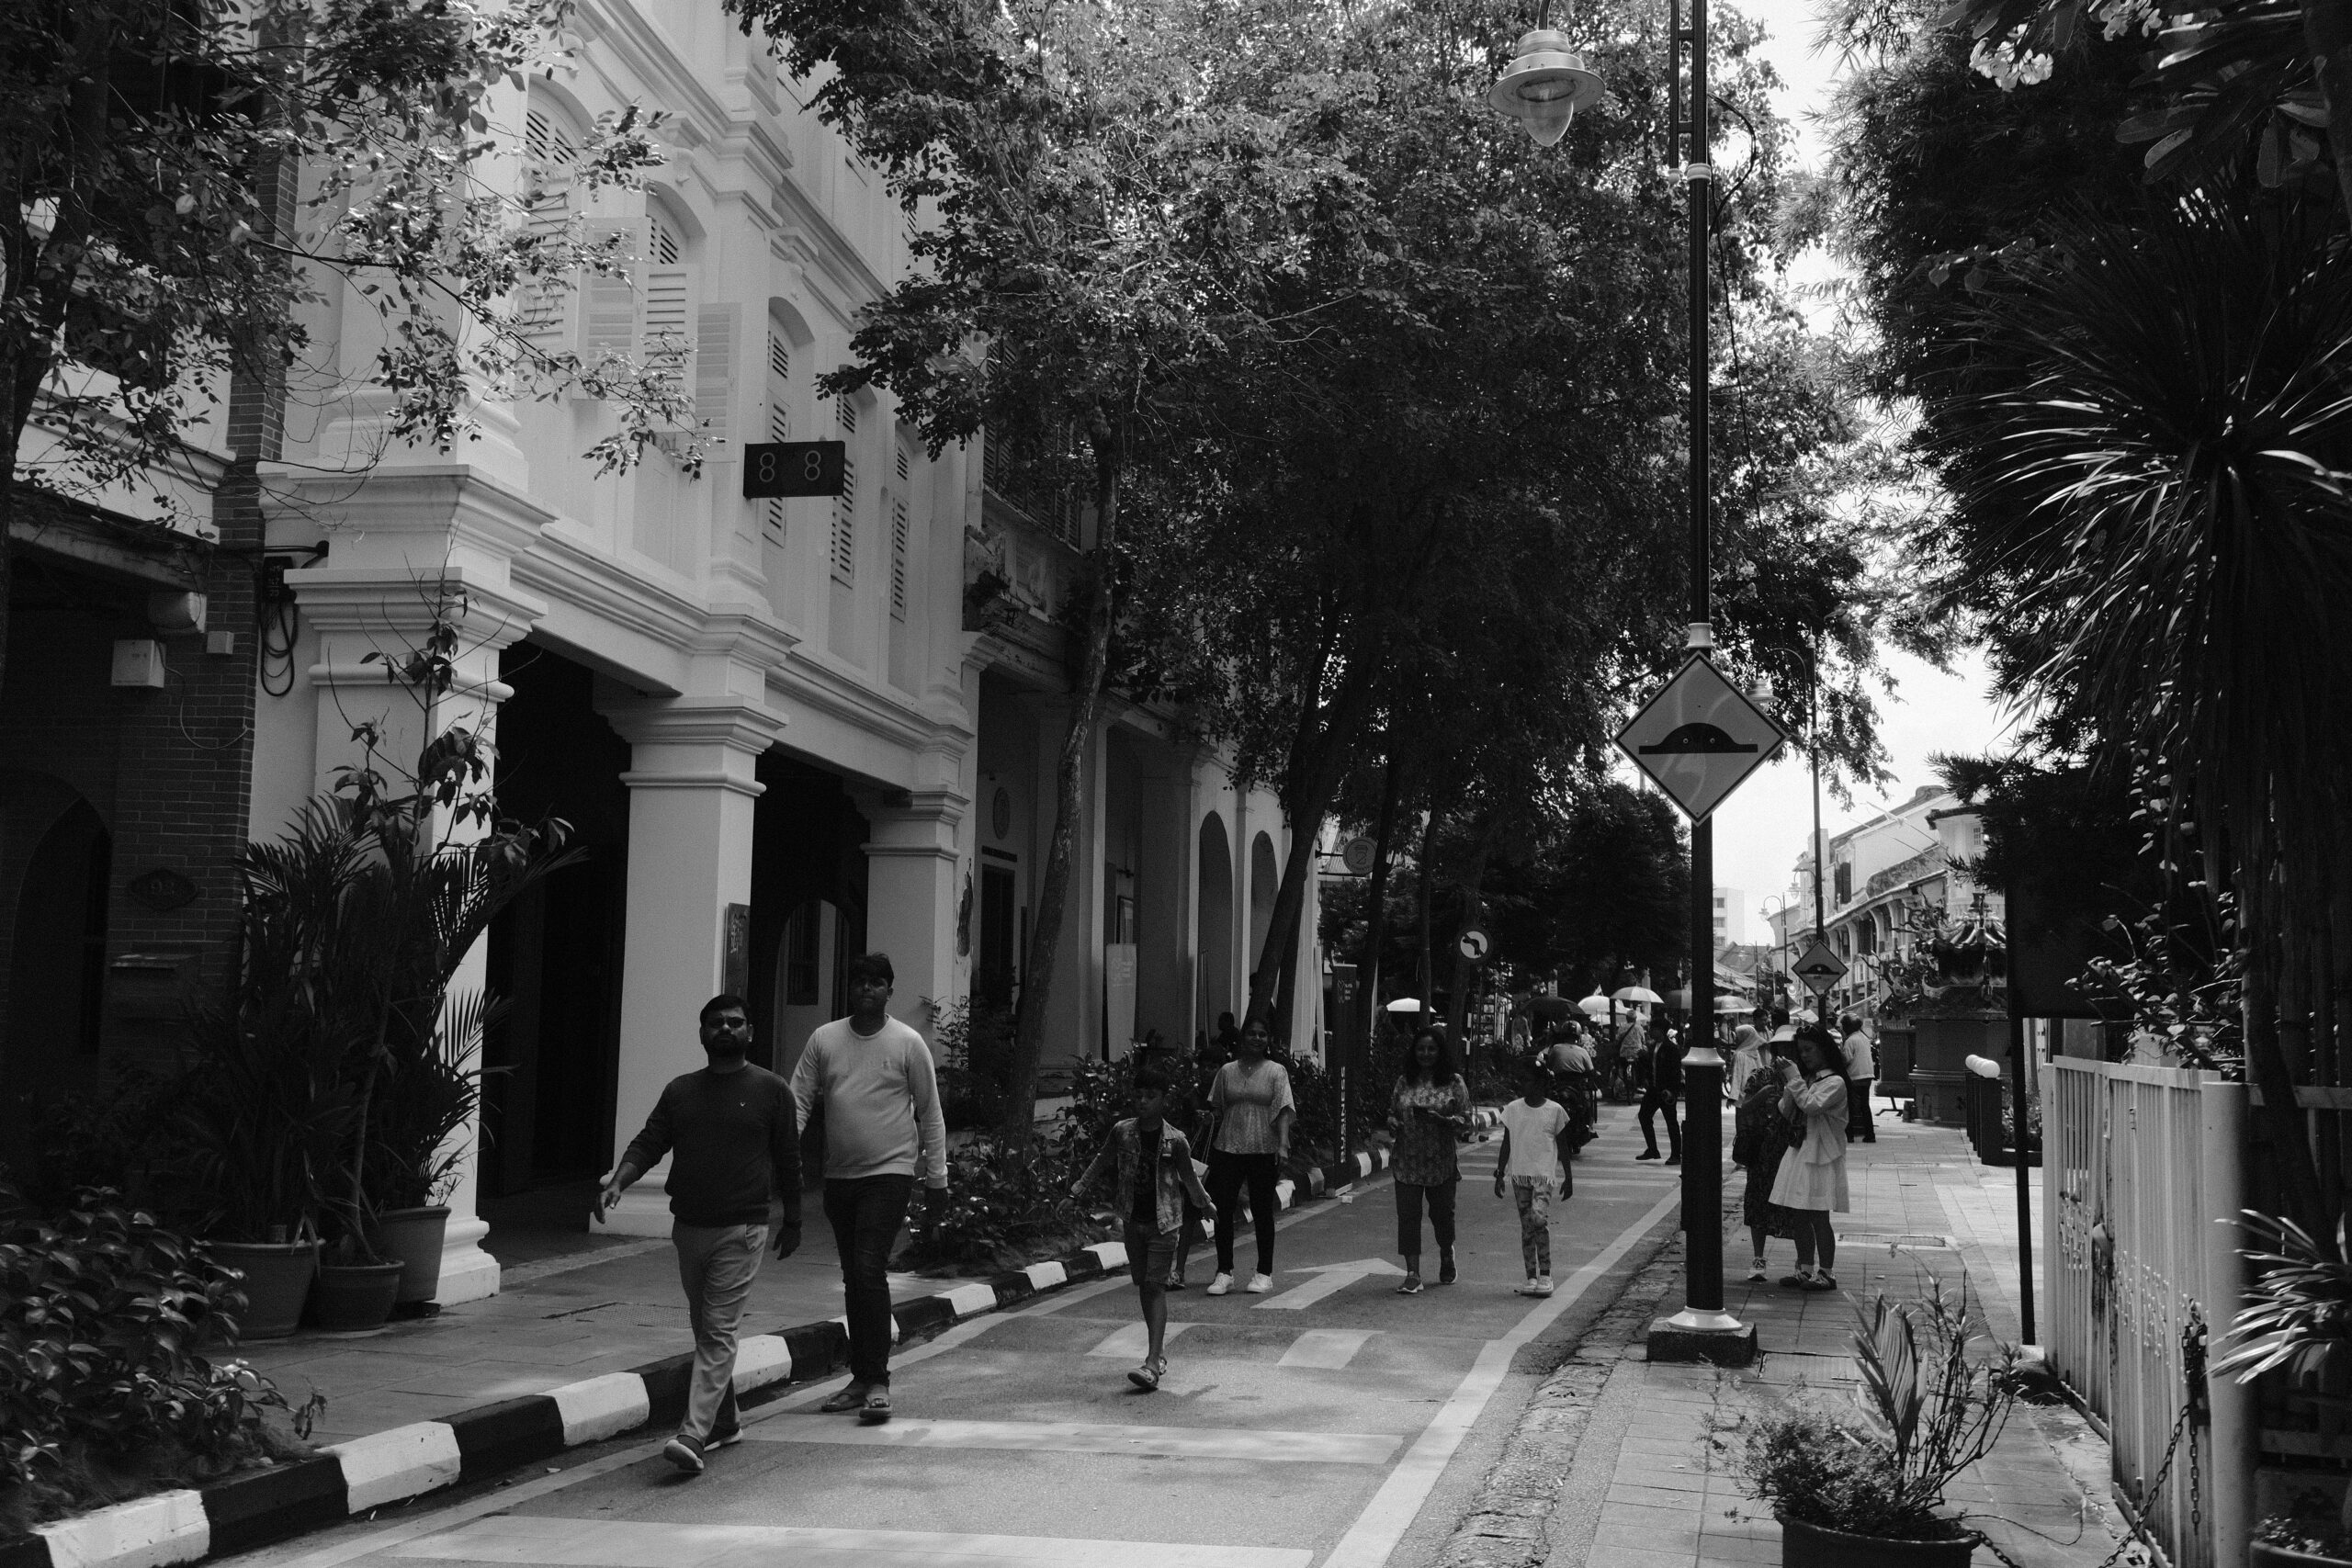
781 732
1879 879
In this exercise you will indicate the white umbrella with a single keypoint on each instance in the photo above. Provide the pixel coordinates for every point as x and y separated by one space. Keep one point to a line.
1595 1004
1404 1004
1636 994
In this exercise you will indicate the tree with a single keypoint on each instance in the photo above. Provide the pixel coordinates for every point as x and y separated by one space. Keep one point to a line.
1102 231
154 249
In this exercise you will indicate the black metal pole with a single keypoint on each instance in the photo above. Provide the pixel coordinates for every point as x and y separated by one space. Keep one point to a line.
1702 1067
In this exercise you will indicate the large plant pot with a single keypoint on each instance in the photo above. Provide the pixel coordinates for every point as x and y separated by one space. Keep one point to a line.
1812 1546
412 1237
351 1296
2264 1556
277 1281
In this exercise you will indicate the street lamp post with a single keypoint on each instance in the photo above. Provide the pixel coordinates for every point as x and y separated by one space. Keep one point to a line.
1543 77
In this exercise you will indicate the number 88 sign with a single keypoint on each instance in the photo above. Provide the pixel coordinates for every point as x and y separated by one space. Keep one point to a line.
792 467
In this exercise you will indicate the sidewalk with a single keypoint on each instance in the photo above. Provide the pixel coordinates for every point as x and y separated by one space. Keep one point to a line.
571 1305
1644 1490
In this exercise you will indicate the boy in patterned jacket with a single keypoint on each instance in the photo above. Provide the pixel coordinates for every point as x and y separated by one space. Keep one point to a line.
1155 1176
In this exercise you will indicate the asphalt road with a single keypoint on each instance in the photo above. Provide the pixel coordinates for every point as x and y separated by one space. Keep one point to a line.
1331 1424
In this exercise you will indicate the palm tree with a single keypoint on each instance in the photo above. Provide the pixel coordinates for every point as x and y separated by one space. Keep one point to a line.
2154 491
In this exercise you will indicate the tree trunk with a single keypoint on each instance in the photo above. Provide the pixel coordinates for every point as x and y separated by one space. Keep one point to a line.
2327 33
1457 1009
1423 961
1376 935
1318 766
2283 1121
1069 792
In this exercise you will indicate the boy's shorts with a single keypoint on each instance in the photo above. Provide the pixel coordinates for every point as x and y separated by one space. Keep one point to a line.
1150 1254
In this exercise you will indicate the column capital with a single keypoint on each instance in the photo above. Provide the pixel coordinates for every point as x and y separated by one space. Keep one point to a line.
389 610
682 743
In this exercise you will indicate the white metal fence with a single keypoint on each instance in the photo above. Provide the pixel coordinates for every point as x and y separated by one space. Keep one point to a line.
2142 1183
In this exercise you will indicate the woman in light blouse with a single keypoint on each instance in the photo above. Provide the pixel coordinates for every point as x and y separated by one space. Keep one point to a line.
1431 1105
1812 1181
1250 1099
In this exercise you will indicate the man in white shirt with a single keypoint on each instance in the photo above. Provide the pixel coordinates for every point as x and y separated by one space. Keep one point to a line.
872 1078
1861 1071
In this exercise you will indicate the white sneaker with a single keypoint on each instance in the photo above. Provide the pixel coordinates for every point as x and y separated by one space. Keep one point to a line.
1543 1284
1534 1287
1261 1284
1221 1284
1757 1274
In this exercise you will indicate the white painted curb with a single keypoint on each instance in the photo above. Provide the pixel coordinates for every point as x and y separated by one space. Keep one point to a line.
385 1467
760 1359
167 1527
597 1408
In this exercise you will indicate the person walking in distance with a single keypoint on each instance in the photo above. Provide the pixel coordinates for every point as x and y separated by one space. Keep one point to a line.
1430 1106
1861 1071
1534 1163
1251 1100
1154 1162
872 1077
1661 1077
734 1144
1812 1179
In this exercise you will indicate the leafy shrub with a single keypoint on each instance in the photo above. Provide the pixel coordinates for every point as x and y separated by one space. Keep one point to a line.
1007 1204
1928 1409
967 1100
2311 1525
125 1133
105 1391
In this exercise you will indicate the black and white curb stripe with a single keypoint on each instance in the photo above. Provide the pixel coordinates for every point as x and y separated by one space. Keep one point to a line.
261 1506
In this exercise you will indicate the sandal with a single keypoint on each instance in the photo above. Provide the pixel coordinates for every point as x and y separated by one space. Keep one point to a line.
1147 1377
849 1398
1821 1282
876 1408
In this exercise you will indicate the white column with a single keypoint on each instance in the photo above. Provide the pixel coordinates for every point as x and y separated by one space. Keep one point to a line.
912 889
691 794
388 610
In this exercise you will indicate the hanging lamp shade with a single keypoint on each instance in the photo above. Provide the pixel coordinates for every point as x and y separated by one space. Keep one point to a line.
1545 85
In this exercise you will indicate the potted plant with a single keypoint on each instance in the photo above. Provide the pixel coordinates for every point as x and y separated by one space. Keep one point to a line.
2298 1315
1861 1484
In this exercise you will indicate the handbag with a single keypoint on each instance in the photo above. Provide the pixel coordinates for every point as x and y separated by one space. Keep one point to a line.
1796 1131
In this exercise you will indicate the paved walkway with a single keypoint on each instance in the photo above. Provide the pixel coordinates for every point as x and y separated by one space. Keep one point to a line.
572 1305
1646 1492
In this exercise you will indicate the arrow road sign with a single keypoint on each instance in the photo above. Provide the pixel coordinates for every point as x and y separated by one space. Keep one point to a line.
1473 943
1819 968
1330 1278
1700 737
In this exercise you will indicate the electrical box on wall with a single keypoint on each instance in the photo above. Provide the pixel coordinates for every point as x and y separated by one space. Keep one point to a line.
139 661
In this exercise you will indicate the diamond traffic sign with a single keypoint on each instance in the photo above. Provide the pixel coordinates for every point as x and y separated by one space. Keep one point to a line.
1700 737
1819 968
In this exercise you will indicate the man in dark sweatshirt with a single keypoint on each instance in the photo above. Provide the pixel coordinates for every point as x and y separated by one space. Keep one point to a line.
734 1175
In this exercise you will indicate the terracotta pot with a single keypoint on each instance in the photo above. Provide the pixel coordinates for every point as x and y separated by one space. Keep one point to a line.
277 1281
413 1237
1812 1546
351 1296
2265 1556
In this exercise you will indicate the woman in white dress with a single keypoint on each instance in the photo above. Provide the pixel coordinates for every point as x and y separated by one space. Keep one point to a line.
1812 1179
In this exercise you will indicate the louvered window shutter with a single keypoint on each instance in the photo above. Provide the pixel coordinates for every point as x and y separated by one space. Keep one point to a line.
899 559
543 308
845 504
668 317
715 333
779 429
610 325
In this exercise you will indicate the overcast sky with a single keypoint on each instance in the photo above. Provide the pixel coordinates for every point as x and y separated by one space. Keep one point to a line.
1761 830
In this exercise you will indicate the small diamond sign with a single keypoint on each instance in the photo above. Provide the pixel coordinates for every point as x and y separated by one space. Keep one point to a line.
1700 737
1819 968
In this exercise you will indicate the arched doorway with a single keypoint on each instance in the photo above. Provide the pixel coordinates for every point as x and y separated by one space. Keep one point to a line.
57 952
1214 944
1265 882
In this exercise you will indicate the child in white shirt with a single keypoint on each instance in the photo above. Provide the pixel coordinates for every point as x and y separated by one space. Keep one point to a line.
1535 1163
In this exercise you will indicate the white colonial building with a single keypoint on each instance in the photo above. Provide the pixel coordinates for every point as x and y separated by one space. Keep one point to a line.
783 731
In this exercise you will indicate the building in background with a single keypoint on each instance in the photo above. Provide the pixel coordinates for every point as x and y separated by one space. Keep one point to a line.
782 731
1730 916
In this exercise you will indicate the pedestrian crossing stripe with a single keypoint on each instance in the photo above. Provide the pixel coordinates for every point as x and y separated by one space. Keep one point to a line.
627 1543
1254 1444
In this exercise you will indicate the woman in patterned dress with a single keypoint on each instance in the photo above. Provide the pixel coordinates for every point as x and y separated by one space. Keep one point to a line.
1251 1100
1429 1107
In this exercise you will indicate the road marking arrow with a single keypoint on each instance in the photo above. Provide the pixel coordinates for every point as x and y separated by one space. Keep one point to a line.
1330 1279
